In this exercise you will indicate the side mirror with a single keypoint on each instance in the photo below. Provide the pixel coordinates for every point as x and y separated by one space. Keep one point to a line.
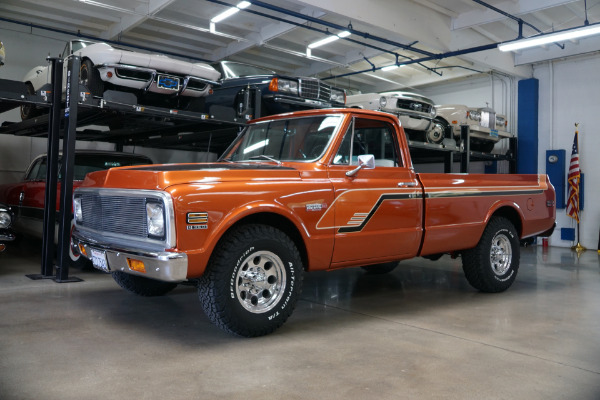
366 161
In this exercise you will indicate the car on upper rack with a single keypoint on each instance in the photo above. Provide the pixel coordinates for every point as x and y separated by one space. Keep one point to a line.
6 233
485 125
415 112
27 197
155 78
235 97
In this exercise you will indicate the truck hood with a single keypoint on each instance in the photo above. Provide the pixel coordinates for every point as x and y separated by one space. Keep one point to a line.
161 176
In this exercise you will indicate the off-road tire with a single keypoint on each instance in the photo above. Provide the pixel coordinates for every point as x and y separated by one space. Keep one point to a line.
252 282
492 265
142 286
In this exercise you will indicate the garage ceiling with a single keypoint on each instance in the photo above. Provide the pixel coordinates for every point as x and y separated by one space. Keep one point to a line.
274 34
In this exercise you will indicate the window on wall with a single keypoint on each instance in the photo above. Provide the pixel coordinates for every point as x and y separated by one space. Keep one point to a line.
369 136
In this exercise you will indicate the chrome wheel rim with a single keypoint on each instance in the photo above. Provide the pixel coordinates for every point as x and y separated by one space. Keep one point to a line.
436 135
260 281
500 254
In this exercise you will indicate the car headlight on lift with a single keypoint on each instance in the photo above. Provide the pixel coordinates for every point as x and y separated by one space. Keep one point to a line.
382 101
284 86
155 218
5 219
338 96
433 112
474 115
501 122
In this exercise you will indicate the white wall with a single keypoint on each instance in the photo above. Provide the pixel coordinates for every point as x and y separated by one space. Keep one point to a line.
570 93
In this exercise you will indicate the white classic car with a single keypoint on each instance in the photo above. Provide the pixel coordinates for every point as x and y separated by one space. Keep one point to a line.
415 112
104 66
486 127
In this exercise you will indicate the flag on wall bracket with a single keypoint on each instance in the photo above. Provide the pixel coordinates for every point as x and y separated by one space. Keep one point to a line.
573 180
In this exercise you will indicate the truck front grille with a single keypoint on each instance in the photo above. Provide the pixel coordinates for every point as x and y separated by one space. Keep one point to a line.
315 89
115 214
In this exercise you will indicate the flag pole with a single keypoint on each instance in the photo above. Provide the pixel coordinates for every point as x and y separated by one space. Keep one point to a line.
578 247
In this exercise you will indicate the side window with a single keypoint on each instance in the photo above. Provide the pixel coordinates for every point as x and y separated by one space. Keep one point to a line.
38 171
369 136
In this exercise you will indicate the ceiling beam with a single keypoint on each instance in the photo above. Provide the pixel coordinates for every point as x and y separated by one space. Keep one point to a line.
394 16
141 14
266 33
478 17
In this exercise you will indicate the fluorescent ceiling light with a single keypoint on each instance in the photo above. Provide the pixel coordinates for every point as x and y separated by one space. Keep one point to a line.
392 67
540 40
230 11
329 39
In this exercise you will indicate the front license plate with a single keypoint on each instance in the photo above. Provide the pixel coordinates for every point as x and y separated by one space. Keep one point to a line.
99 260
494 133
168 82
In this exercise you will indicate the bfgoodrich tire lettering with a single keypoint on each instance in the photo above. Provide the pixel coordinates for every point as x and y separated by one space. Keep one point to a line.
252 282
493 264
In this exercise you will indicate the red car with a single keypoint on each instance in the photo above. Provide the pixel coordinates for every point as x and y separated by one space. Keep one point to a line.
26 198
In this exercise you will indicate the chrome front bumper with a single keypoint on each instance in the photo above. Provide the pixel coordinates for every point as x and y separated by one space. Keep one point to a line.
159 265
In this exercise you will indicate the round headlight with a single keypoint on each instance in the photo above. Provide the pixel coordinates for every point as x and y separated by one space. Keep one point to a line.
433 112
5 219
382 102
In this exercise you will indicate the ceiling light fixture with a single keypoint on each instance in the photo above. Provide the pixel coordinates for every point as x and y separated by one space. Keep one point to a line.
540 40
230 11
328 39
392 67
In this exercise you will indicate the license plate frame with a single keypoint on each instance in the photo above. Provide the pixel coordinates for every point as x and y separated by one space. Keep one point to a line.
167 82
99 260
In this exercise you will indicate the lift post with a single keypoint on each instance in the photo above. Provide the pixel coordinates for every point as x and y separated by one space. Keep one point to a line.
67 167
51 173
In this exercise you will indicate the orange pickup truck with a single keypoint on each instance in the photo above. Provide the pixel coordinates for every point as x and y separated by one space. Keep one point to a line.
304 191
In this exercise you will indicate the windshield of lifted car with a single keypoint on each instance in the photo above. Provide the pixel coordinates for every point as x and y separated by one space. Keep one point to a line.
237 70
298 139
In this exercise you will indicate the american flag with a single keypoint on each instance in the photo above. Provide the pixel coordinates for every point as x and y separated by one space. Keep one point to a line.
573 180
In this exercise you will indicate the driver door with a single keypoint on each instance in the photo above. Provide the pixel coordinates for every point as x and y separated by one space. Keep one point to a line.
378 211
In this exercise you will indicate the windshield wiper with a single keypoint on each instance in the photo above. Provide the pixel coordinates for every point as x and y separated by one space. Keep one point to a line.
266 157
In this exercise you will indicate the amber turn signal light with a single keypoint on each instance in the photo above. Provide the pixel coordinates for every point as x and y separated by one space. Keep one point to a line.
136 265
82 250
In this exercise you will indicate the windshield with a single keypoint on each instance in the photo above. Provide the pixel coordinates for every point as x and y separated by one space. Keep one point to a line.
78 45
236 70
298 139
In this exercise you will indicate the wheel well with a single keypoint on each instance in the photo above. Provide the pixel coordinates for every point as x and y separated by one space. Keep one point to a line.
512 215
281 223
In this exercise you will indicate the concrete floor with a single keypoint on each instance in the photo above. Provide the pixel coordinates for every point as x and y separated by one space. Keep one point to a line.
420 332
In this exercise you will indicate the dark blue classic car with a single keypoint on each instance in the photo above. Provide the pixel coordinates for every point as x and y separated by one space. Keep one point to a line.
240 83
6 233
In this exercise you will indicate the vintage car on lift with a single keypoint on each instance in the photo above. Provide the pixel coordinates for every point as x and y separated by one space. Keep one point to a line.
162 80
415 112
27 198
485 125
6 233
278 93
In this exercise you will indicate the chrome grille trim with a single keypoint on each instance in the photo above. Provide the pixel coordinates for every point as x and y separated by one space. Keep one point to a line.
314 89
121 215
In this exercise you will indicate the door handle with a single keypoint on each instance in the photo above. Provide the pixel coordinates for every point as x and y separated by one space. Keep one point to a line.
407 184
